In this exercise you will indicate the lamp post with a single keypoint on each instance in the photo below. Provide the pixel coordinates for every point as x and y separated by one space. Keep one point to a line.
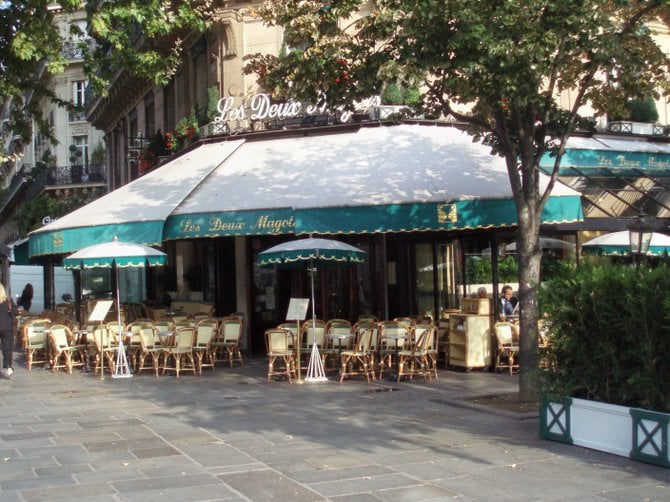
640 232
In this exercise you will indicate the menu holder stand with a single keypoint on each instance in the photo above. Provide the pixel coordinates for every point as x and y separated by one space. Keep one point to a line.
297 311
122 370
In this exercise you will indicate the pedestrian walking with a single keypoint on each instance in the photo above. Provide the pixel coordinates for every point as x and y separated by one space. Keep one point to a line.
7 316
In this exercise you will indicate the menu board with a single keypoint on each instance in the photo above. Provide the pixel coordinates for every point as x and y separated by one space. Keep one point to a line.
297 309
100 311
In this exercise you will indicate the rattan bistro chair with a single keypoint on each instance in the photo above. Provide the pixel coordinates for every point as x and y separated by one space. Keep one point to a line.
181 353
360 360
105 350
507 348
150 348
278 343
65 353
419 360
202 346
227 344
392 338
35 343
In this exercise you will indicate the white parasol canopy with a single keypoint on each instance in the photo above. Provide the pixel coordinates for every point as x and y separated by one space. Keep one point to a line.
116 254
618 244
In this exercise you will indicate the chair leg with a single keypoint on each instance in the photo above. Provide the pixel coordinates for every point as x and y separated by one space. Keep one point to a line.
271 362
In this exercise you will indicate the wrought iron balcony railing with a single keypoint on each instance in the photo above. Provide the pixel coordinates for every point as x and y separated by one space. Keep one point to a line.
75 174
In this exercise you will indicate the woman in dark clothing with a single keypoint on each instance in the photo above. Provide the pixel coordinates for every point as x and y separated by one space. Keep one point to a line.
26 299
7 315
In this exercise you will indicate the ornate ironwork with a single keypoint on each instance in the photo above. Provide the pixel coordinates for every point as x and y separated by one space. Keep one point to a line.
76 174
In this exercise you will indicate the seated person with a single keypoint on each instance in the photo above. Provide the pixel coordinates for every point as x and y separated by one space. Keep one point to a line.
508 303
508 311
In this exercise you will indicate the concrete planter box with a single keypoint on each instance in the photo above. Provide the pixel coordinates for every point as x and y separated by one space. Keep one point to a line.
628 432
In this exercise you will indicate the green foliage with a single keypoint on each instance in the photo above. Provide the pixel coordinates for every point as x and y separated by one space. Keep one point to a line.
187 130
478 269
213 97
29 39
163 27
396 94
608 331
98 154
552 266
392 95
146 38
30 214
643 110
508 269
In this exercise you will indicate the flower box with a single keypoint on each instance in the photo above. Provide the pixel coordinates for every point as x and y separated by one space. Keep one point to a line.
639 434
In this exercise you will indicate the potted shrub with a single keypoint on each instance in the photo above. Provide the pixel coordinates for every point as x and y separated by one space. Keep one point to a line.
605 375
98 154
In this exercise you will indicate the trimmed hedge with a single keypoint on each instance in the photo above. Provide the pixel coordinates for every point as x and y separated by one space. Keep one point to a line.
609 331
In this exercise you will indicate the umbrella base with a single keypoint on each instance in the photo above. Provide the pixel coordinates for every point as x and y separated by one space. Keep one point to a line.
122 369
315 370
316 379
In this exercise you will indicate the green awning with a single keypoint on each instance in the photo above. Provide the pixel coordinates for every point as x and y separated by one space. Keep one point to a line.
20 252
603 156
458 215
68 240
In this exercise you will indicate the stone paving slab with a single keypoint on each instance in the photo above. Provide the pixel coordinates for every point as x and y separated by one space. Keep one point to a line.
230 435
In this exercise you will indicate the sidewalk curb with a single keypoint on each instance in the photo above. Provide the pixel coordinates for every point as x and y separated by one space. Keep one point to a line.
459 403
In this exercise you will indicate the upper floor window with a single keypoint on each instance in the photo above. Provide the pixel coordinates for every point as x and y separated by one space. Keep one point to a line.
79 92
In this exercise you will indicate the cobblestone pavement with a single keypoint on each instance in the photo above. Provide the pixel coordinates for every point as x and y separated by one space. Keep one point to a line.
229 435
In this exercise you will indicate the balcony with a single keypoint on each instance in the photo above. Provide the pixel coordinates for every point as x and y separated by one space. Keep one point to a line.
75 175
72 49
76 116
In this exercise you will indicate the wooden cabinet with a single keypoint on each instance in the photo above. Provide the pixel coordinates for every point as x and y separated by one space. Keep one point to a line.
469 340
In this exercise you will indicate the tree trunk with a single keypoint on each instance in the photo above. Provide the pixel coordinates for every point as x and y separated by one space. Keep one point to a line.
529 253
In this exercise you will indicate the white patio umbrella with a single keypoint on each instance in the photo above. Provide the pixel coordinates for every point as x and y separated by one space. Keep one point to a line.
116 255
618 244
314 252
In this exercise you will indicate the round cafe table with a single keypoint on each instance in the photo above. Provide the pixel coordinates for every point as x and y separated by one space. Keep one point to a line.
339 337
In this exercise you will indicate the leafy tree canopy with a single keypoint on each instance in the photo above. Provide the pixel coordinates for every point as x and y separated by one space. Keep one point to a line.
145 38
30 45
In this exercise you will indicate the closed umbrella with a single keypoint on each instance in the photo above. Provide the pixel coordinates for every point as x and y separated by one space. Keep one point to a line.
115 255
313 252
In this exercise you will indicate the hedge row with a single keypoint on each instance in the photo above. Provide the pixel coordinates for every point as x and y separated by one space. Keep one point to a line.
609 329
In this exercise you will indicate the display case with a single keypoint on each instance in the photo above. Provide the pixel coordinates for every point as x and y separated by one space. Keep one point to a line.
469 341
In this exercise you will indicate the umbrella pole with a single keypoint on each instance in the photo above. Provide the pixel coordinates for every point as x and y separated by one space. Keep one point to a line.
298 348
122 370
315 370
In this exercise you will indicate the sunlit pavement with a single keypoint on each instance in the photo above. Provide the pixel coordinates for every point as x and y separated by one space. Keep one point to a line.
230 435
